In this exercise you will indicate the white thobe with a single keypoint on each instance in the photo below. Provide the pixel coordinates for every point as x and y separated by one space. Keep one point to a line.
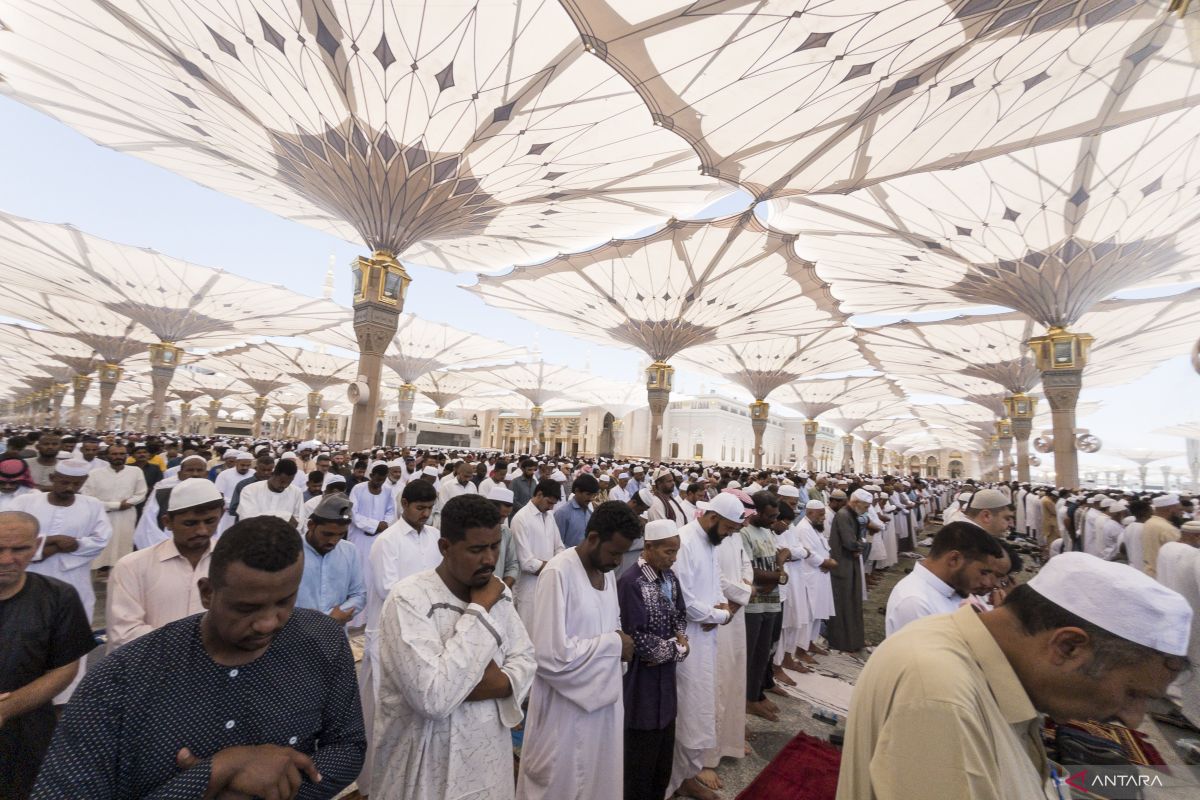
1033 515
9 499
696 676
148 532
1107 535
151 588
398 552
112 487
797 611
85 520
736 579
818 586
258 500
1178 568
447 492
1131 537
1022 520
227 481
617 493
536 538
919 594
487 484
367 512
431 743
574 731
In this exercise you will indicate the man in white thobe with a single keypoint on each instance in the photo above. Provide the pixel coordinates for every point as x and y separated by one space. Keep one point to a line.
374 510
405 548
149 530
119 488
696 676
456 663
459 484
274 497
72 530
537 540
574 732
814 577
737 580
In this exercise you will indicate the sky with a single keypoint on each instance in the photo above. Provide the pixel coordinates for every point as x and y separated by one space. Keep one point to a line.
53 174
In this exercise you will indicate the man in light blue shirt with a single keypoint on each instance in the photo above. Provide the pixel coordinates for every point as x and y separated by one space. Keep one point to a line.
333 580
572 516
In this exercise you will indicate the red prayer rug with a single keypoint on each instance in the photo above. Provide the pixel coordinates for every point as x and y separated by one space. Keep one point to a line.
805 769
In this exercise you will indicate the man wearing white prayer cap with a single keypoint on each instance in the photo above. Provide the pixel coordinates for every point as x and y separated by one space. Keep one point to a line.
1085 639
1162 527
990 510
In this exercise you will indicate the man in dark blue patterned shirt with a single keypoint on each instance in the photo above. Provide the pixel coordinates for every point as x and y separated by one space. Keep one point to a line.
654 615
250 699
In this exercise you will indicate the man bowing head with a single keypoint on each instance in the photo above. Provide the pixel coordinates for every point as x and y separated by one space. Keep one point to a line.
577 692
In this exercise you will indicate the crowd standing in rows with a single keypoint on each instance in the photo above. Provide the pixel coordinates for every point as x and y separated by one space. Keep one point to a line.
624 616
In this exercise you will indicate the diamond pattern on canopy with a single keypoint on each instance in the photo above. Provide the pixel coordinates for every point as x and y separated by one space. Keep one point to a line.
46 345
538 382
812 398
1047 231
687 284
317 371
763 365
795 96
179 302
455 133
421 346
445 386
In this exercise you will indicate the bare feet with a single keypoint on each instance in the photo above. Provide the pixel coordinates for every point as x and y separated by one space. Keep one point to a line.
805 657
709 778
761 709
694 788
817 649
782 677
746 749
778 691
770 704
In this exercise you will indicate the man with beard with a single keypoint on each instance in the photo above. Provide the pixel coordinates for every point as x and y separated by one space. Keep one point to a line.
814 578
277 496
456 664
253 698
960 564
152 587
332 581
150 530
845 629
119 488
47 458
696 678
577 692
1162 527
15 481
74 530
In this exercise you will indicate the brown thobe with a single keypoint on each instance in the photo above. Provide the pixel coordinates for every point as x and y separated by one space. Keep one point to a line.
844 630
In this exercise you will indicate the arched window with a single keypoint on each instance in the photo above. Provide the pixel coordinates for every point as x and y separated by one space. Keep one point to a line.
698 450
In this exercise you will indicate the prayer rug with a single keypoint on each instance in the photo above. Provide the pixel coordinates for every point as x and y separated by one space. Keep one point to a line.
820 690
805 769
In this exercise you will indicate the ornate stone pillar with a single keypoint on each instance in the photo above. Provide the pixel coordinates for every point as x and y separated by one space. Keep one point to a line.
109 376
164 358
536 445
260 408
759 411
285 422
314 411
811 428
880 455
57 393
1020 408
214 409
660 376
1166 473
866 456
408 396
1061 356
1004 441
380 285
185 415
79 389
848 453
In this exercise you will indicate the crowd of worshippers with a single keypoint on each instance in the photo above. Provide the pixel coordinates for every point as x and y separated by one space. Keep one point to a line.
625 617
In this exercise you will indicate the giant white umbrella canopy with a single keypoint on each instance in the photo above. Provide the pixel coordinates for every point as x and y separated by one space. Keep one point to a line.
114 337
817 396
540 384
456 134
801 96
761 366
60 349
262 378
1049 231
182 304
421 346
317 371
689 283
